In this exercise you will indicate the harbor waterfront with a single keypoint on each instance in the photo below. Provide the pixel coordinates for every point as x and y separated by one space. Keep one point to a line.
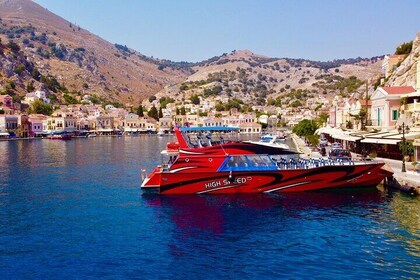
74 209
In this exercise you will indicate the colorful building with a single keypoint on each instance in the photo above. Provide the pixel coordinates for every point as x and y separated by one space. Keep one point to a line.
386 106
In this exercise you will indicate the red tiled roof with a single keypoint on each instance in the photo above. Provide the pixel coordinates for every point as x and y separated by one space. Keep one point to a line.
399 90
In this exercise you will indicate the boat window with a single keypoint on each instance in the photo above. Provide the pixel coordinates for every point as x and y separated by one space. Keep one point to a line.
248 163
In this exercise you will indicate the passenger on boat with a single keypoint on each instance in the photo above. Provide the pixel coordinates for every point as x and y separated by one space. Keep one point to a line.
208 137
171 160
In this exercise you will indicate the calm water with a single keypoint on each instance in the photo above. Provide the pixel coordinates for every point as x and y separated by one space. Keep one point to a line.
74 210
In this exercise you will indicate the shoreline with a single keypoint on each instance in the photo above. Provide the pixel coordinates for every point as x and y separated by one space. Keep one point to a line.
408 182
41 138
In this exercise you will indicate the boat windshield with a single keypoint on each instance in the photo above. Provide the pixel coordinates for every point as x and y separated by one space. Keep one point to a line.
197 137
248 163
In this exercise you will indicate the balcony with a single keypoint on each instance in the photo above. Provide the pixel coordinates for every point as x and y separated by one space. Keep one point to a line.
411 108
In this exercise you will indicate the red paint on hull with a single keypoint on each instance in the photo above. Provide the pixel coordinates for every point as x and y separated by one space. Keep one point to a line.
205 170
297 180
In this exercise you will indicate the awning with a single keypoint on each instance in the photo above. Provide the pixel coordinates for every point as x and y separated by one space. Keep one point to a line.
413 94
328 130
381 141
345 137
130 129
322 130
408 136
105 130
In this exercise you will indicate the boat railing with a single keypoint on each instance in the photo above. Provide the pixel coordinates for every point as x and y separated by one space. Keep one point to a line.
301 163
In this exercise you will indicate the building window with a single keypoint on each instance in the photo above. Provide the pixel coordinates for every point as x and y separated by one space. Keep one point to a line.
394 115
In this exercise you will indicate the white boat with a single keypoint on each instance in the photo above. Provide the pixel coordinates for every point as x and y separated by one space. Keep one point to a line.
271 141
164 132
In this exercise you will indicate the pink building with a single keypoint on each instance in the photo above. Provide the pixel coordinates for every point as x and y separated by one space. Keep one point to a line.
37 124
386 105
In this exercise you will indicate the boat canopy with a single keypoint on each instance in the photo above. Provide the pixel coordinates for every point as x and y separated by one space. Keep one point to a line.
248 163
208 128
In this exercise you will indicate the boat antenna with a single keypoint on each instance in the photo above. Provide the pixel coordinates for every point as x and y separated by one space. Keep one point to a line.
221 146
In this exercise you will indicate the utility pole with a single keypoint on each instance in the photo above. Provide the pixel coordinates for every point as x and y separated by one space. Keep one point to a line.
404 148
366 105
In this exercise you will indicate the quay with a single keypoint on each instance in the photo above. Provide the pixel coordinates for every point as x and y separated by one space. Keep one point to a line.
408 182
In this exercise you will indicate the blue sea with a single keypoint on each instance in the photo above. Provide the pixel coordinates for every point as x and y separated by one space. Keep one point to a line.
75 210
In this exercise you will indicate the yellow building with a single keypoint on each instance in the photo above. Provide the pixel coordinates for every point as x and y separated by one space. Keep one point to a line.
391 63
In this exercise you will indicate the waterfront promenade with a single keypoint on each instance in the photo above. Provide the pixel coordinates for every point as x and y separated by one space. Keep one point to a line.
409 178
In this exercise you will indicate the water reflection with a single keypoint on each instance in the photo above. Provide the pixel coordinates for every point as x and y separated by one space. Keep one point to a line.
212 213
406 210
80 200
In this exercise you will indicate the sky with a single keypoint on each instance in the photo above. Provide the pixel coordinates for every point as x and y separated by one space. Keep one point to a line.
188 30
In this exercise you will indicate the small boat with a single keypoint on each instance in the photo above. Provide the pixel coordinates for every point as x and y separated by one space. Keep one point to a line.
59 136
271 140
246 167
91 135
164 132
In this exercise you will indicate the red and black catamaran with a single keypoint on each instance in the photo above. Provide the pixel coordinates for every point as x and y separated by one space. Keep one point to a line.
219 167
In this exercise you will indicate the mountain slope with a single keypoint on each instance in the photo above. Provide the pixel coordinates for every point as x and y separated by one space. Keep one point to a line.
260 80
405 74
82 61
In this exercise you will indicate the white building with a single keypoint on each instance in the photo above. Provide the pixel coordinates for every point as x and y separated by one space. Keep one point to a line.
31 97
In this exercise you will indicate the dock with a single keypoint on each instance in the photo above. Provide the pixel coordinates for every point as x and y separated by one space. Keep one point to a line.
408 182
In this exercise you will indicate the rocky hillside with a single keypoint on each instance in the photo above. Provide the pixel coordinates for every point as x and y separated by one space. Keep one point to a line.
42 50
260 80
81 62
405 74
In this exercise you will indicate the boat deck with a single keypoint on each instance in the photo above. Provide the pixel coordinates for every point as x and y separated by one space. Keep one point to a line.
285 164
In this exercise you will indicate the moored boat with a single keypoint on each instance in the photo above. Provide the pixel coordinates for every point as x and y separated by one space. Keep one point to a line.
59 136
243 167
272 141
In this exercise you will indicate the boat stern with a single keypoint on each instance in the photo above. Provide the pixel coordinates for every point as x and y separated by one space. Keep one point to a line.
153 180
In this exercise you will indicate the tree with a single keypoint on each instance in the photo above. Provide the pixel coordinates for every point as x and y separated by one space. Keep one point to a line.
220 107
177 110
195 99
404 48
30 87
153 113
70 99
183 111
296 103
160 112
19 69
305 128
164 101
13 46
152 98
321 119
38 107
140 112
406 148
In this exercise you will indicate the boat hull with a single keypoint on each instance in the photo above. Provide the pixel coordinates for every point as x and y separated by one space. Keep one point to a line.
290 180
60 137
